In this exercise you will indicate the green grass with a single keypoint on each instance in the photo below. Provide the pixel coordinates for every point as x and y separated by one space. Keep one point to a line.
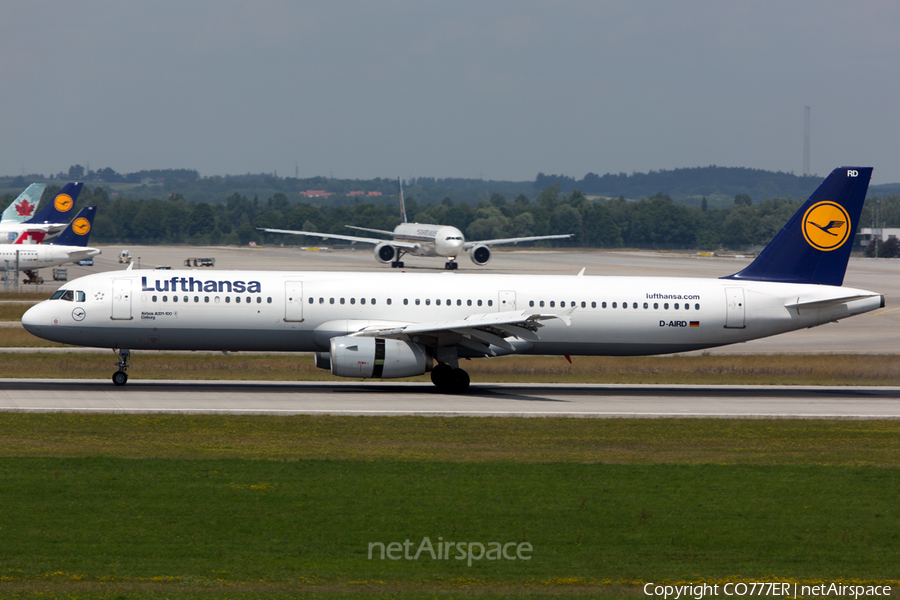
156 506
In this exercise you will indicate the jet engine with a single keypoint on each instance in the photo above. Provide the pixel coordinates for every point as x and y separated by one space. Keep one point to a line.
385 253
480 255
376 357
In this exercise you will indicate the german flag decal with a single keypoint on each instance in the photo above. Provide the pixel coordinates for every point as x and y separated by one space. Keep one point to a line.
695 323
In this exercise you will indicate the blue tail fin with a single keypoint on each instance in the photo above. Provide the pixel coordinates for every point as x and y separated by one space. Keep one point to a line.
815 245
79 230
60 208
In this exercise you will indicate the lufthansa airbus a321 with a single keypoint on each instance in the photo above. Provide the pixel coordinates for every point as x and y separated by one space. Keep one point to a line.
386 325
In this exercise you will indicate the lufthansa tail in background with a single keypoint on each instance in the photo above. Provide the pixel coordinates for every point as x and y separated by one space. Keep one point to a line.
399 324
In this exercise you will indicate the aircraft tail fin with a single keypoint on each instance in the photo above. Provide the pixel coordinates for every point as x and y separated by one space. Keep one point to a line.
815 245
402 206
78 231
25 205
60 208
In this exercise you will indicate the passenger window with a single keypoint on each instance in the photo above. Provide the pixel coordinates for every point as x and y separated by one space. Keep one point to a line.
552 304
646 305
666 306
154 298
417 302
448 302
405 301
342 300
624 305
583 304
541 303
468 303
594 305
321 300
696 307
479 303
388 301
490 302
352 301
331 301
437 302
165 298
227 299
634 305
237 299
196 299
428 301
269 299
311 300
249 299
614 305
206 299
259 299
531 303
458 302
676 306
687 306
604 305
656 306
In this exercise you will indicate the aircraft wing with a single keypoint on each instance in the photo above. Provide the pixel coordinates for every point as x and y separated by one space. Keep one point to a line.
516 240
349 238
390 233
478 332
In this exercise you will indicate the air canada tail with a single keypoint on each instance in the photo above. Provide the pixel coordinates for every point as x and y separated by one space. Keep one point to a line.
24 206
60 208
79 230
815 245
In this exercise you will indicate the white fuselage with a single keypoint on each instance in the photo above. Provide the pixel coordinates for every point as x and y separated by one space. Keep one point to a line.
431 240
10 232
302 311
37 256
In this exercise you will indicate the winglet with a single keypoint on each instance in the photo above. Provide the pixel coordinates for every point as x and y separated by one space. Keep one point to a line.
130 266
815 245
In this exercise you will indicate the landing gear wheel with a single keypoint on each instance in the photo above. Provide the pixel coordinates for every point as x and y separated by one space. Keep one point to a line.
397 264
451 266
120 376
441 374
459 382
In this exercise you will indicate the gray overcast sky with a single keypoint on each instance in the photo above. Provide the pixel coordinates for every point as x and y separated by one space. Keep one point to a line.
500 90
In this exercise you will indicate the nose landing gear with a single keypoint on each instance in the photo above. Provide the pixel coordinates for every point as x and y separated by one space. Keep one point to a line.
120 377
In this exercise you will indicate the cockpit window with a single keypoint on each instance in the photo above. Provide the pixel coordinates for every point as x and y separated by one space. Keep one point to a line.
68 296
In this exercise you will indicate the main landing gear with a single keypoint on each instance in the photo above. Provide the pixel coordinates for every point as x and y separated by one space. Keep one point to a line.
449 380
120 376
397 264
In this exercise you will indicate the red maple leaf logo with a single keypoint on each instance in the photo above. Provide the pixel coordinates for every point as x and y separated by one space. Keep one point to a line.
24 208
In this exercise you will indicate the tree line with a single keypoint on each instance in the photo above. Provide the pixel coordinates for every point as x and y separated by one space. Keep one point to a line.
656 222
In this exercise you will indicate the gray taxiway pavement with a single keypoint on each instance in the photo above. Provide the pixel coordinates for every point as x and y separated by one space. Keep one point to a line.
399 398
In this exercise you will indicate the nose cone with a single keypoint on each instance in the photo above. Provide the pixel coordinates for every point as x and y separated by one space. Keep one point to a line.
32 319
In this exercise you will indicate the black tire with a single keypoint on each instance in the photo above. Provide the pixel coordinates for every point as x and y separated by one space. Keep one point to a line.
120 377
441 375
459 381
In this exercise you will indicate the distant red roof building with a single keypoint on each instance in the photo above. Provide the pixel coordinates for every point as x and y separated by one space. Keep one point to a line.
374 194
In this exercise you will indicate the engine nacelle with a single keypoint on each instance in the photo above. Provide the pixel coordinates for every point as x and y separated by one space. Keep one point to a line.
385 253
480 255
376 357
